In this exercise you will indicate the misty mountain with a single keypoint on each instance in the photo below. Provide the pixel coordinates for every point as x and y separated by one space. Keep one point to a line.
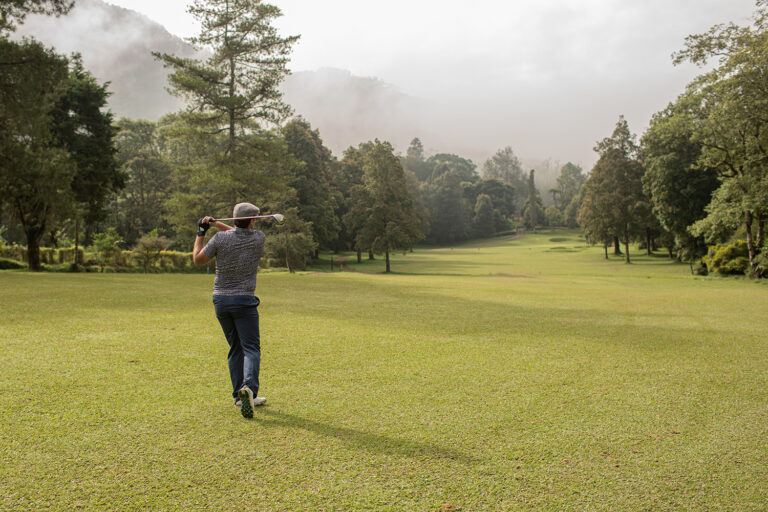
349 109
116 45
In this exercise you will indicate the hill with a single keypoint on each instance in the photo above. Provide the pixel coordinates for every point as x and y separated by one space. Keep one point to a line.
116 45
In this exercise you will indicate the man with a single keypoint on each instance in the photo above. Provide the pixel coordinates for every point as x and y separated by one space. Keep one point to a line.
237 252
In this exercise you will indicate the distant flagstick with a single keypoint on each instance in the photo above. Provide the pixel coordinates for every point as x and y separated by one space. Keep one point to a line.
279 218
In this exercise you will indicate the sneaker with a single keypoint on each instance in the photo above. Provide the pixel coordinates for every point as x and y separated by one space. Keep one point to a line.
246 402
257 401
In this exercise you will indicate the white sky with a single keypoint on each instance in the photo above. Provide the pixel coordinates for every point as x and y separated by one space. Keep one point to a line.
548 77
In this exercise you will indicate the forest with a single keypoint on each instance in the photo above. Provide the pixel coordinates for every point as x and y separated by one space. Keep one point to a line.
74 179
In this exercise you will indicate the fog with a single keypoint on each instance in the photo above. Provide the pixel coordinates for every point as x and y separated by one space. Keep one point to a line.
547 77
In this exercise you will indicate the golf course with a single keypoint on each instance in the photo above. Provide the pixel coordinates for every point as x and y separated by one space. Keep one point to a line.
510 373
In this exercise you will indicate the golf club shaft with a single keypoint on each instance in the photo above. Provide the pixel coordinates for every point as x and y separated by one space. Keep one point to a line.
251 217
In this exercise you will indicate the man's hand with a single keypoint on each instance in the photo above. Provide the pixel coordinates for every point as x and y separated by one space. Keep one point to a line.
203 224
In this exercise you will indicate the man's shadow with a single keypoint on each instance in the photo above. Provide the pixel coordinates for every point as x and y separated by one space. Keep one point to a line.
375 443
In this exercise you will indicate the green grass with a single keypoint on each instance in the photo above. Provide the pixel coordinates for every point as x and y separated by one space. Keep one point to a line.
507 374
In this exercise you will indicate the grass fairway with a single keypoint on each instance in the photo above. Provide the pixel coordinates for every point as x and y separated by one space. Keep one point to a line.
504 375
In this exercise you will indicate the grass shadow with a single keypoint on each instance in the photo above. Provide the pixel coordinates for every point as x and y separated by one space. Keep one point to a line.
375 443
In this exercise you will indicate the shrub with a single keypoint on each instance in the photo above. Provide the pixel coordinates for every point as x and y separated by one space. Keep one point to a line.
762 263
728 259
106 245
148 249
8 264
699 269
13 252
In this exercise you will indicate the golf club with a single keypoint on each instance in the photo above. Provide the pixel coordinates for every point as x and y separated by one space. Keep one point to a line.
278 217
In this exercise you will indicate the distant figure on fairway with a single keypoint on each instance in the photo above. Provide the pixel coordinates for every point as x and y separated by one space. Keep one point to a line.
237 252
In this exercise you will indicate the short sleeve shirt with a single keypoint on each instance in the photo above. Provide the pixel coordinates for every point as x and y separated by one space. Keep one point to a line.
237 252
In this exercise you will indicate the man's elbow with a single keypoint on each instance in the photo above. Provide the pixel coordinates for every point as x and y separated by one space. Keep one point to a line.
200 259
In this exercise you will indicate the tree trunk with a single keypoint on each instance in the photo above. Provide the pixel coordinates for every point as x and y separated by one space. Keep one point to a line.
77 242
359 256
370 254
626 243
605 247
387 256
33 248
231 109
616 247
649 242
287 260
751 245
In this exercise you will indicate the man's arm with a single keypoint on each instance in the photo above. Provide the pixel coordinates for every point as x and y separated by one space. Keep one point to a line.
198 256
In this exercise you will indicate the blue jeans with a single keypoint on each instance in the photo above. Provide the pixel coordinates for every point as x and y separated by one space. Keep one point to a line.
239 319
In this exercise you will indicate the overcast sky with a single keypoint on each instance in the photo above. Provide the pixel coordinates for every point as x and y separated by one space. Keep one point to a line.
547 77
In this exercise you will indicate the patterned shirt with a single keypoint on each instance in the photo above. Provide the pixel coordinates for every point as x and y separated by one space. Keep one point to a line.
237 252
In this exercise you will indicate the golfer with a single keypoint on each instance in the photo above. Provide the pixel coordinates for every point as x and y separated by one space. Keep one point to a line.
237 252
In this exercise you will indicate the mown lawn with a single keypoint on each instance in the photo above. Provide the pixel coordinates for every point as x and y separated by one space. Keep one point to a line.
504 375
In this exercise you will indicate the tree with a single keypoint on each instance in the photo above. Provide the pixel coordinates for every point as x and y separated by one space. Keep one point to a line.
56 142
311 180
731 124
81 126
613 191
505 166
571 213
483 221
450 214
569 183
140 206
291 243
348 177
553 216
14 11
678 187
502 194
389 221
107 246
597 226
414 161
236 89
533 211
35 174
148 249
444 162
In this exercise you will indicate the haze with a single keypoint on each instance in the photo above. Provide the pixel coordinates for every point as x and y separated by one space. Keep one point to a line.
547 77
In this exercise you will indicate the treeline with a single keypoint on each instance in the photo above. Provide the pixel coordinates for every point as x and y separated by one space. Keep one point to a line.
697 182
71 175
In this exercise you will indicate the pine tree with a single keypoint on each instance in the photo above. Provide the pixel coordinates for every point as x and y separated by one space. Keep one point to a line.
236 89
533 211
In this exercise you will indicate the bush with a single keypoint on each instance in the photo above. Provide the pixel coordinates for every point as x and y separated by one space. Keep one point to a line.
8 264
762 262
13 252
175 260
107 247
730 259
148 249
68 255
699 269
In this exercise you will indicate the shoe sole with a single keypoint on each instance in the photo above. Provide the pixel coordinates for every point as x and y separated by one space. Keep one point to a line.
245 408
